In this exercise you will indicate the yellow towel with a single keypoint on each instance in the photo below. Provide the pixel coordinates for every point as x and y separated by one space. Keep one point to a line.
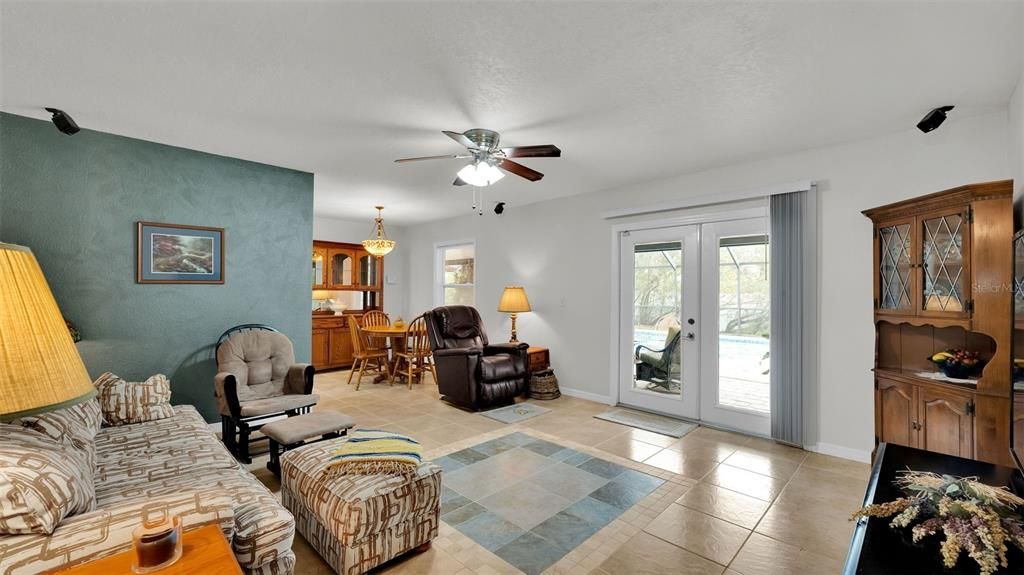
372 451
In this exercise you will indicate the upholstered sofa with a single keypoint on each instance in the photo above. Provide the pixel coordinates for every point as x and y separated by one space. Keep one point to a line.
172 464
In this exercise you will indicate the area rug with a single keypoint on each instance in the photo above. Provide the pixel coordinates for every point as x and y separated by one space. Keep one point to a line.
648 422
531 501
515 413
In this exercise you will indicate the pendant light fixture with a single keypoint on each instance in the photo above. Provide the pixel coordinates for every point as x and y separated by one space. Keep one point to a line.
379 245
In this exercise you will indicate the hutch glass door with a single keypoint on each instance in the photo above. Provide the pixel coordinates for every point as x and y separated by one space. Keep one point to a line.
895 280
944 270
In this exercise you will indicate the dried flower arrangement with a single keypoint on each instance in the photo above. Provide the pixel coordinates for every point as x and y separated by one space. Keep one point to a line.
974 517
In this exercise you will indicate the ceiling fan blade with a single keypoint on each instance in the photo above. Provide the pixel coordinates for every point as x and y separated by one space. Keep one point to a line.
421 158
461 139
520 170
459 182
545 151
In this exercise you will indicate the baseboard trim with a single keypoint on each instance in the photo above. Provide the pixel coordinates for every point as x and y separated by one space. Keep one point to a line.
864 456
589 396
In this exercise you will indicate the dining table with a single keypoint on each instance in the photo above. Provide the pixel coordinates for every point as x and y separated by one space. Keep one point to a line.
397 335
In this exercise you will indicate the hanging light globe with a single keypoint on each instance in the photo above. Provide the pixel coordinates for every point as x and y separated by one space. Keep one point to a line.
378 245
480 174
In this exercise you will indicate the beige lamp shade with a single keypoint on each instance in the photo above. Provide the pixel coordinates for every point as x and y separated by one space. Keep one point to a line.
40 369
513 300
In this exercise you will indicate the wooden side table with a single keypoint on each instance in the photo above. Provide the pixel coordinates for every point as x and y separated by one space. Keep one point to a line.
539 359
204 551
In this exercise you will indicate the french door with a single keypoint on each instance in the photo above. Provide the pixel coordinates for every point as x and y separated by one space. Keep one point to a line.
672 362
735 348
658 340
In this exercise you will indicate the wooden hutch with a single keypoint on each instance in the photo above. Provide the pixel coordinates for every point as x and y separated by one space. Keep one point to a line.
942 275
346 273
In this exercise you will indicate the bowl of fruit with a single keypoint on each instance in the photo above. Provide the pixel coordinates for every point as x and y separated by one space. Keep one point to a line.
958 363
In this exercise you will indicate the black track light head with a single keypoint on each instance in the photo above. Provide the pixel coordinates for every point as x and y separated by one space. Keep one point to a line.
933 119
63 121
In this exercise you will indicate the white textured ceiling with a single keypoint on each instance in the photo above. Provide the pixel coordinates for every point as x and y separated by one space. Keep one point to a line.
630 91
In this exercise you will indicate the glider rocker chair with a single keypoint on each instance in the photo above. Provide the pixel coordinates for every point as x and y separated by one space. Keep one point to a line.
258 379
471 372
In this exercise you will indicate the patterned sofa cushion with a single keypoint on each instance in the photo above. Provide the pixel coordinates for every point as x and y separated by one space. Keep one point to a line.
134 401
76 426
107 531
184 426
42 481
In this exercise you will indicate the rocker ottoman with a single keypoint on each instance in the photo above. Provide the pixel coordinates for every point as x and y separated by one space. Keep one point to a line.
357 522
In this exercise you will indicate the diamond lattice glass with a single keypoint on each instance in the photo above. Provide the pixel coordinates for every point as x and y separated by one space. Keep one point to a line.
895 267
943 259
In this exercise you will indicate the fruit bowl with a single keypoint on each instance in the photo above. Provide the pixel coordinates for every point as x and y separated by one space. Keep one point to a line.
958 363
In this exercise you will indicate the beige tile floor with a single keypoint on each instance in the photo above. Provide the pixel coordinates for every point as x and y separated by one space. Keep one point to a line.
731 504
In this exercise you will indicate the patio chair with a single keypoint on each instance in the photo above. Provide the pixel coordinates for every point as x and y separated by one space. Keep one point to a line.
658 366
257 379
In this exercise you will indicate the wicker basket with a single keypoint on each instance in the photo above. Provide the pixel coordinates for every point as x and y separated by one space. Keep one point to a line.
544 385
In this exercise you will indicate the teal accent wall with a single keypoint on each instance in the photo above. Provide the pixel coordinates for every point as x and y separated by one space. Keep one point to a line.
75 200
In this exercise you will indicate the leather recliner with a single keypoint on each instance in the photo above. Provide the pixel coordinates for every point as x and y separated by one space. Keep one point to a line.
470 371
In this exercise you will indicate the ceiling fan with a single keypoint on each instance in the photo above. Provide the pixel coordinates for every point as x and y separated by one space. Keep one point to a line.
488 160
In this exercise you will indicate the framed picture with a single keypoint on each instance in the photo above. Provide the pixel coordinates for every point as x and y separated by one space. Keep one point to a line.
173 254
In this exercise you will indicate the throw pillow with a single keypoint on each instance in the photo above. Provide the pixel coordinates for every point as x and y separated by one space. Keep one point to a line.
42 481
76 426
124 402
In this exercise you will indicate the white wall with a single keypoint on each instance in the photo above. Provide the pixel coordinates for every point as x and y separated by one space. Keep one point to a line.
395 263
1017 141
560 251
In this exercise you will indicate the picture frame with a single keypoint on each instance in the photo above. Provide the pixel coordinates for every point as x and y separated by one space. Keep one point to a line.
178 254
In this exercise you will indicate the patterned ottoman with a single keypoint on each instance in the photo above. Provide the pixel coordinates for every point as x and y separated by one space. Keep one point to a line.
357 522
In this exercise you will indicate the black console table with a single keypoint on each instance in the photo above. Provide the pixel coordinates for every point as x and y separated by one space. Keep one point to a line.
876 549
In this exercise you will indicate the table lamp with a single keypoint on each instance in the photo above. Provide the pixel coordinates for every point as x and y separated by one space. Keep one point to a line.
40 369
513 301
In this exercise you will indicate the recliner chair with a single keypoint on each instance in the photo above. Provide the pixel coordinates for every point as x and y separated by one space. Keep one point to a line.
471 372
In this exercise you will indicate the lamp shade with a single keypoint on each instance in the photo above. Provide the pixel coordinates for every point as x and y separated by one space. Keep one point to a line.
513 300
40 369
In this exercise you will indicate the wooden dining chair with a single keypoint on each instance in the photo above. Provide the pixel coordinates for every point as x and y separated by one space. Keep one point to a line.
363 355
376 318
417 356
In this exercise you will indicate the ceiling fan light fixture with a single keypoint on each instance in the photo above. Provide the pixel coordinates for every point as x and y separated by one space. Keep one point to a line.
379 245
480 174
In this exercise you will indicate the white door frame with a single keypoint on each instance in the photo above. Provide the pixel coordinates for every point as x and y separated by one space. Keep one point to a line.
698 215
711 412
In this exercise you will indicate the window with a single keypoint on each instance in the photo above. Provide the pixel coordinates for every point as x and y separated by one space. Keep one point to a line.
456 274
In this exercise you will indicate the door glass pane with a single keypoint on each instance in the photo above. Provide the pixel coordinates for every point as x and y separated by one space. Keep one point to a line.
367 270
744 316
943 259
318 269
894 244
341 269
657 307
